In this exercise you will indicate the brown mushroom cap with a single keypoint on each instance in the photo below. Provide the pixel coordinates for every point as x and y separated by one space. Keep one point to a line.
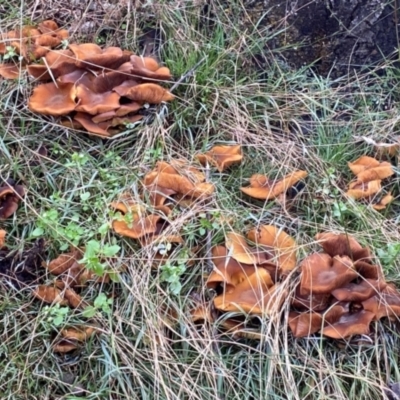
304 324
149 93
263 188
9 71
228 272
343 245
49 99
359 292
321 273
349 324
85 120
9 199
384 304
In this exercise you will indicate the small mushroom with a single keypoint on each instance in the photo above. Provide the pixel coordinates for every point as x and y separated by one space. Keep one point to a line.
149 93
222 156
263 188
10 197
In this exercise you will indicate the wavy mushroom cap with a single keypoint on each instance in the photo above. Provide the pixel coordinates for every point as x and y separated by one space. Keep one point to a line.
253 295
263 188
342 245
49 99
222 156
360 190
321 274
349 325
279 243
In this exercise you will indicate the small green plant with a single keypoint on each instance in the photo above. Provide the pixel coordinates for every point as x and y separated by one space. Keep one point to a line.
171 273
11 52
101 304
55 315
95 252
389 254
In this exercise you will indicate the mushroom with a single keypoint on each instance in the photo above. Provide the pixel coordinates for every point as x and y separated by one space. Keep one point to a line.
359 292
254 295
228 272
349 324
321 274
277 243
10 197
50 99
343 245
222 156
263 188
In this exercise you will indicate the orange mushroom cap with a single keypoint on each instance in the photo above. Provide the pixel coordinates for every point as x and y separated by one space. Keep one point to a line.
10 71
9 199
95 103
229 272
362 190
90 55
282 246
222 156
253 295
49 99
384 304
149 93
261 187
100 128
304 324
383 202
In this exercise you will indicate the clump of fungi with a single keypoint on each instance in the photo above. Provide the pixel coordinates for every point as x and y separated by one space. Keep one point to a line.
167 186
98 89
71 276
369 174
339 293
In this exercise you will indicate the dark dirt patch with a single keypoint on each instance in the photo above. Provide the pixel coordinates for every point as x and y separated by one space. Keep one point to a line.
22 269
338 36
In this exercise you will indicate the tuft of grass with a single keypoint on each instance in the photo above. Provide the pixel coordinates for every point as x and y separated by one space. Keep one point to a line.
148 348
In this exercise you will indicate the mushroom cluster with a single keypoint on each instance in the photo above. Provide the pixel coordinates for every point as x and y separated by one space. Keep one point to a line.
247 278
100 89
339 294
164 188
369 174
10 196
29 43
71 275
341 291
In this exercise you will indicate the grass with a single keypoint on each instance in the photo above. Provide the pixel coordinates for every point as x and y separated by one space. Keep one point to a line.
284 119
